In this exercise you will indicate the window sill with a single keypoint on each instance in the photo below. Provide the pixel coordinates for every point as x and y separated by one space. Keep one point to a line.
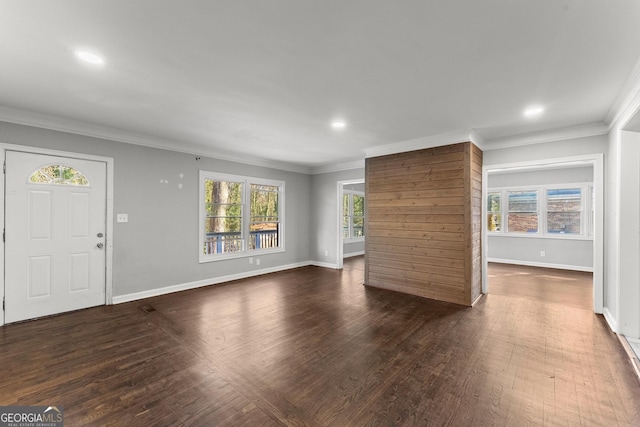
558 236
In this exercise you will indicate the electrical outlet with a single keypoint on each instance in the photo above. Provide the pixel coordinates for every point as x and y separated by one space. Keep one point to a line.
257 261
122 218
250 260
542 253
326 253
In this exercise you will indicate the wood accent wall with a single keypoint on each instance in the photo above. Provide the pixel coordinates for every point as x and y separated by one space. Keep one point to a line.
423 222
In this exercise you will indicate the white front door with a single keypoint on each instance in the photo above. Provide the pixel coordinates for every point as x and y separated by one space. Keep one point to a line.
54 235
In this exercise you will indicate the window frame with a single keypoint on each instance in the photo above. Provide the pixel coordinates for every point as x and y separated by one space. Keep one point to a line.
583 202
350 194
509 212
586 218
490 212
246 216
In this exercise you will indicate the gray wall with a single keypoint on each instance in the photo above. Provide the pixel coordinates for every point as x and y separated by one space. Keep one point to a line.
354 187
324 214
564 253
158 247
547 150
570 175
352 248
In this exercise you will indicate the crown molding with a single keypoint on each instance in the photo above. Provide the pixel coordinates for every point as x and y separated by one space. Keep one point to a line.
337 167
60 124
627 102
426 142
582 131
628 111
477 139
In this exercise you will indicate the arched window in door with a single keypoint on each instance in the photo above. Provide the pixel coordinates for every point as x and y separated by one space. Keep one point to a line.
59 175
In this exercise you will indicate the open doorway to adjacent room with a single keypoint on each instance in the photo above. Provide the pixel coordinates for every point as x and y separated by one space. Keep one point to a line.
351 204
543 231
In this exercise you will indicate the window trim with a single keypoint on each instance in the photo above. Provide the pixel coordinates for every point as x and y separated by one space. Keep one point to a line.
350 194
246 216
507 212
582 211
585 218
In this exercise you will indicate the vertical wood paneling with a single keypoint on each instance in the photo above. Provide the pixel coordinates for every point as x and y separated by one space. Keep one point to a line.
423 219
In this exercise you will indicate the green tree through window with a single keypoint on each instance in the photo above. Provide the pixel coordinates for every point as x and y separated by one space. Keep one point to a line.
59 175
264 216
352 215
239 214
223 204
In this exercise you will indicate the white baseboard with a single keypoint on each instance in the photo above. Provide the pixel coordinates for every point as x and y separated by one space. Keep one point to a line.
323 264
611 321
542 264
352 254
477 299
119 299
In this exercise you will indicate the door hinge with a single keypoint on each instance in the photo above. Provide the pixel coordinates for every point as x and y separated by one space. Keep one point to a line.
2 303
3 236
4 167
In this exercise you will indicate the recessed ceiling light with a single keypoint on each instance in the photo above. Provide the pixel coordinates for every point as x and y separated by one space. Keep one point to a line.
89 57
533 111
338 124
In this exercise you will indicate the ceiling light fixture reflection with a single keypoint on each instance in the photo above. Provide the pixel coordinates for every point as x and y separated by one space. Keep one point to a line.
89 57
533 111
338 124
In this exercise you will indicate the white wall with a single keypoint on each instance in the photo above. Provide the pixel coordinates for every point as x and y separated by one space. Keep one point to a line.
612 232
629 243
158 247
567 253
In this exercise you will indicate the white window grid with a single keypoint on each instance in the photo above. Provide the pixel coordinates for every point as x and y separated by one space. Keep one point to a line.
246 215
586 212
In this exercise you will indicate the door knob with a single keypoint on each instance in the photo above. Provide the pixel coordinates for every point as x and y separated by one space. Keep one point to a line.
100 245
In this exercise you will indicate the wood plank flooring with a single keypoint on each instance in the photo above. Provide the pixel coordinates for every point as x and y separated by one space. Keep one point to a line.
312 346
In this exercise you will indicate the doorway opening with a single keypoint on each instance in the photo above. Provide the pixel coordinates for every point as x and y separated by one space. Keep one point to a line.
351 203
546 216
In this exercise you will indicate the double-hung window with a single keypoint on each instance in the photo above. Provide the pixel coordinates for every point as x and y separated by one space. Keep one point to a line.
353 215
494 211
239 216
564 211
522 216
550 211
265 216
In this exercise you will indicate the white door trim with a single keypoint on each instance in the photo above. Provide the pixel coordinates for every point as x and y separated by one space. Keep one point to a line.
109 214
595 160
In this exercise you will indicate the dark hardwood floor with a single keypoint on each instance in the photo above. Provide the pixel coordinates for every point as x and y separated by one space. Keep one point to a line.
311 346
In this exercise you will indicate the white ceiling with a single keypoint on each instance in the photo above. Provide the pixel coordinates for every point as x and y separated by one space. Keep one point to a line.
260 79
